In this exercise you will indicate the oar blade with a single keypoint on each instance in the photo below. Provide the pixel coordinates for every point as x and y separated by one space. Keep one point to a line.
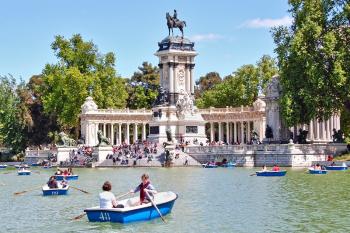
79 216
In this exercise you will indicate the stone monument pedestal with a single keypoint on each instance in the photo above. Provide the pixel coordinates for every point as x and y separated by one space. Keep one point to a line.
63 153
189 127
101 152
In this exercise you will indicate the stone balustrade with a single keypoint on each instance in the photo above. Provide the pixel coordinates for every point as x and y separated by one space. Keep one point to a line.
296 155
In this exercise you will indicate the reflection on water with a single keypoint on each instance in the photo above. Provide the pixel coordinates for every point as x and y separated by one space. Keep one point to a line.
210 200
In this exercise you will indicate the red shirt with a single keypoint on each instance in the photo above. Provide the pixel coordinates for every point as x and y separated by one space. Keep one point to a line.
275 169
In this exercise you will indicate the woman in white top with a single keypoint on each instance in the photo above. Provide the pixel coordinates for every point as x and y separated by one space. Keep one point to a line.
107 198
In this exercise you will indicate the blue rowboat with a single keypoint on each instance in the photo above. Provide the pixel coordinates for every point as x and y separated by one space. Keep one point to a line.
271 173
317 171
2 166
133 213
336 168
230 164
22 166
24 172
54 192
70 177
209 165
46 167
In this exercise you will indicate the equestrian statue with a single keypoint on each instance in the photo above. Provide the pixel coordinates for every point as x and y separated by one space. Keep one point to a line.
174 22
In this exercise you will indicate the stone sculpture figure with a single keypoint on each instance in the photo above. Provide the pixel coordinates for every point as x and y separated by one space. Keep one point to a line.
338 136
174 22
162 97
102 140
184 105
66 141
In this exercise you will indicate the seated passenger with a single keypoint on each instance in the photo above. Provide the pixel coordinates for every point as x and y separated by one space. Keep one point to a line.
144 187
264 168
52 183
317 167
107 198
64 183
275 168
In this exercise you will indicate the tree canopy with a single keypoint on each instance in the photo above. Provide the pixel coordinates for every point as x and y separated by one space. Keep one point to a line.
143 86
240 88
15 119
80 67
314 60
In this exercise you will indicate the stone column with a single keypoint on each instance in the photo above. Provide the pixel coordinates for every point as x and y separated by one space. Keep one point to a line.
188 79
234 131
327 130
88 139
120 133
127 137
248 131
220 131
95 140
211 131
112 134
338 122
311 130
135 133
161 73
143 131
104 130
317 129
331 126
242 132
227 133
192 78
322 134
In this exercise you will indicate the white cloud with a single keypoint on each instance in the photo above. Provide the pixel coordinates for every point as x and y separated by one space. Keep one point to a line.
206 37
268 23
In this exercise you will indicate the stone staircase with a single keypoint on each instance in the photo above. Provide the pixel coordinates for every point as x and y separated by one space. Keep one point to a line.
157 161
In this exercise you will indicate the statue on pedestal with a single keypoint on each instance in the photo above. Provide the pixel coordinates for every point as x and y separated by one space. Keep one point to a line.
102 140
66 141
338 136
174 22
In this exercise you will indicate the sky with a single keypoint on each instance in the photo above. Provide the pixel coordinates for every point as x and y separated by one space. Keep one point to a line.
227 33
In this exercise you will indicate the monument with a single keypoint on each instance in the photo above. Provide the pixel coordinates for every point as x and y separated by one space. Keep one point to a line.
174 110
273 115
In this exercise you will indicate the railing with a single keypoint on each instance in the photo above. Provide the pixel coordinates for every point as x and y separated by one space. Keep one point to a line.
213 110
261 147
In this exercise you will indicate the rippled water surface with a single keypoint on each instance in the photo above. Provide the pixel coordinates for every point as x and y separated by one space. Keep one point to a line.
210 200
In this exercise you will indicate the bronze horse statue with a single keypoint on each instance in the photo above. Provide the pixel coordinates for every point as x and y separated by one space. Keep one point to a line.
175 24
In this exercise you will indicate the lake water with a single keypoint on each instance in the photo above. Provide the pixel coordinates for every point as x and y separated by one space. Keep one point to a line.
210 200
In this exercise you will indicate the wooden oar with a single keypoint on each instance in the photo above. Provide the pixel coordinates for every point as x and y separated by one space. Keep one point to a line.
82 215
18 193
80 189
254 174
155 206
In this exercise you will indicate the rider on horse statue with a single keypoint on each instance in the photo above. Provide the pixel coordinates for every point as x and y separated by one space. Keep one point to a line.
174 22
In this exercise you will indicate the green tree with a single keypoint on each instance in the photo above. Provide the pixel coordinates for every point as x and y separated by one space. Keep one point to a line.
14 115
66 83
143 86
43 123
207 82
314 60
147 74
240 88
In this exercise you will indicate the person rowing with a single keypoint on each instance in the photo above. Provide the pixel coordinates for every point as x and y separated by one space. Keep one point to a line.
52 183
276 168
107 198
144 187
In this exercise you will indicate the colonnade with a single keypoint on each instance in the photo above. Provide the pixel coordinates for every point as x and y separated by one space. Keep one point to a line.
117 133
235 132
321 131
